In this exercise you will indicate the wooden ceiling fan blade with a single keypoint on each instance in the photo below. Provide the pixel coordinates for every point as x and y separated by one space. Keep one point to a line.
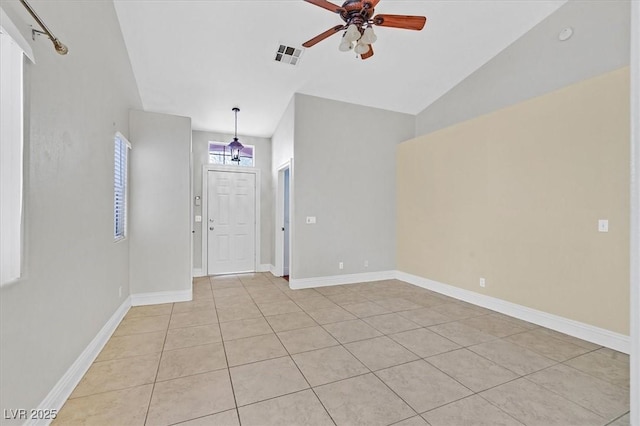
368 54
406 22
326 5
317 39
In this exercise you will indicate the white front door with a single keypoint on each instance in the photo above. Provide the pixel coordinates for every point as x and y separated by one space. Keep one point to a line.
231 222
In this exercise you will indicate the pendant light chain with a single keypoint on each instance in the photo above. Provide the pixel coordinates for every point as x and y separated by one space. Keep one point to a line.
235 134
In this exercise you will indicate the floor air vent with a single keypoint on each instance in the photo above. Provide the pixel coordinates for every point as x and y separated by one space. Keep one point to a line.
289 55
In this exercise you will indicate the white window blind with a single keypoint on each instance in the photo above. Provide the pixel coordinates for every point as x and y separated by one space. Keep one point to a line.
11 159
121 153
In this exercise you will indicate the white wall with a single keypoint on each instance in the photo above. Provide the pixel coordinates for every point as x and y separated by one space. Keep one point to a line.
73 269
262 161
345 176
281 153
282 139
538 63
160 203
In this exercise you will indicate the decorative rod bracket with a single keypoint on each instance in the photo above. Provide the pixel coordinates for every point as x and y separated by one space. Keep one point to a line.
57 44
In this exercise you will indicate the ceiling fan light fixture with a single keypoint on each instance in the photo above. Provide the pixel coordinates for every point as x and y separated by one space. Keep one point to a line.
353 33
361 48
369 37
345 46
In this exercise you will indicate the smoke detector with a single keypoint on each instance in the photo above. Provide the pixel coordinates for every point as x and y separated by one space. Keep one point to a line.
565 34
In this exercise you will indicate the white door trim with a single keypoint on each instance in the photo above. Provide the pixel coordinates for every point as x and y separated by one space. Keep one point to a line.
279 235
205 209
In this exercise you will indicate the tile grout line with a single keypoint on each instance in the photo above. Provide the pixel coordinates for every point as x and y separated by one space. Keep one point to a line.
276 286
558 394
348 378
226 358
473 393
153 388
419 357
586 372
297 367
465 347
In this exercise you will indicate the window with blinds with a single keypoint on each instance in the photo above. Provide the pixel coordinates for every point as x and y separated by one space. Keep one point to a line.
121 153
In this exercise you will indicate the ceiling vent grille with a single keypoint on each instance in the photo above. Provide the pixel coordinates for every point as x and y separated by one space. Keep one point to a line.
289 55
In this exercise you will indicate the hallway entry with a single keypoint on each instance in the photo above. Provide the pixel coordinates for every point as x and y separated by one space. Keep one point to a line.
231 222
284 226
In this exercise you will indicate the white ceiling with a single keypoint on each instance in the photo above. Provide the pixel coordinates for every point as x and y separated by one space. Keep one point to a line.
199 58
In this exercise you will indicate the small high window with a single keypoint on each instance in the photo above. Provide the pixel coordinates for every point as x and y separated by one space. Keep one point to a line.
219 153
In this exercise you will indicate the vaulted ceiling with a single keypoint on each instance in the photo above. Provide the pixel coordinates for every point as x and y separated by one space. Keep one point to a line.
201 58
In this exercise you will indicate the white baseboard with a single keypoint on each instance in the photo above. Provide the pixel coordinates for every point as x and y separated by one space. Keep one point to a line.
590 333
301 283
197 272
67 383
272 269
265 267
156 298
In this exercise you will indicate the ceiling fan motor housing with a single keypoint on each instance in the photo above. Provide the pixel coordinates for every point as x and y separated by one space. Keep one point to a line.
357 12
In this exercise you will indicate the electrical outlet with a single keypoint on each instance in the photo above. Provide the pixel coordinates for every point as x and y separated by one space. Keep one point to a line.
603 225
483 282
120 291
366 263
340 265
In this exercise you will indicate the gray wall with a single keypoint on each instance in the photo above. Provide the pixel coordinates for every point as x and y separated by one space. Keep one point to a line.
282 139
281 152
160 203
73 269
539 63
262 158
345 176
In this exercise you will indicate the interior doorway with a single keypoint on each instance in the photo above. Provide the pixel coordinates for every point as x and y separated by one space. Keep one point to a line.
284 223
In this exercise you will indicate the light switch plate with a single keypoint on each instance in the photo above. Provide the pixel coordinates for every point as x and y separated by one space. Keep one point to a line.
311 220
198 219
603 225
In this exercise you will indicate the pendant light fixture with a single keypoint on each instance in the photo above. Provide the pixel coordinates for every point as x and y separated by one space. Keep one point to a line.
235 146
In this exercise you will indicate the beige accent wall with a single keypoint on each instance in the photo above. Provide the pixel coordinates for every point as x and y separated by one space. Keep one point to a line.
515 197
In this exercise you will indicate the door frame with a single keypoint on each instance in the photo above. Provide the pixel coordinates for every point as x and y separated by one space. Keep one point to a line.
279 235
205 210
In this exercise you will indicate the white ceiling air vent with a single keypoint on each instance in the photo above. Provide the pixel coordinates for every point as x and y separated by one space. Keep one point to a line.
289 55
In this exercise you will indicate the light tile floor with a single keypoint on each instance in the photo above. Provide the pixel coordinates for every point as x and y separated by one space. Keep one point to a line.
248 350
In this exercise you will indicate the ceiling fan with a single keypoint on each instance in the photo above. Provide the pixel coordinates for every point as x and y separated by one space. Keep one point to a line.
359 19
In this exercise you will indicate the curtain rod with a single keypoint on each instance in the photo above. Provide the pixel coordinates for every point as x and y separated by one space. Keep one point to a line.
57 44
